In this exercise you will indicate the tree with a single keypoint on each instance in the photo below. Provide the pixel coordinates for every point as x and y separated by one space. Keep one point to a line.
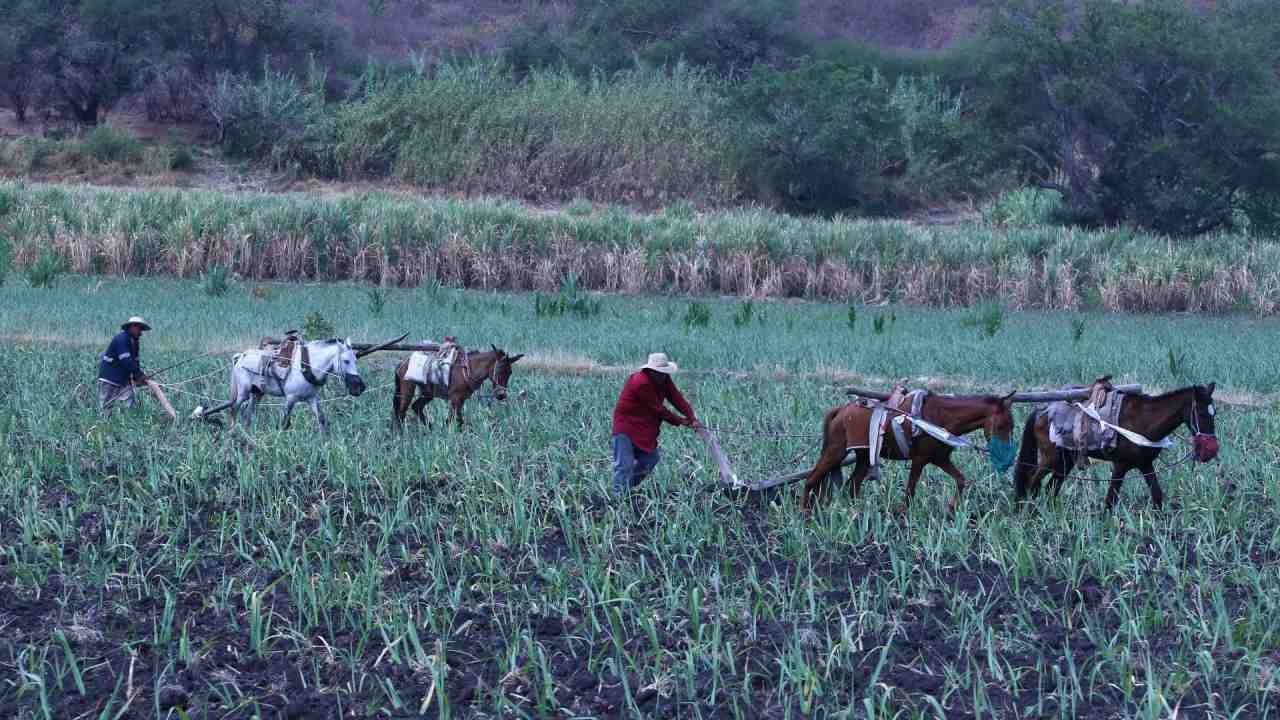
25 37
1149 112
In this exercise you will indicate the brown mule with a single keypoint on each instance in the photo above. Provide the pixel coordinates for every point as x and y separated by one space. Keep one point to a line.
467 375
846 427
1153 417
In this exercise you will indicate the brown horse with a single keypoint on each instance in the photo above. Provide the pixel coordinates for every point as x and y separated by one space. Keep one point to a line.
846 428
1153 417
467 375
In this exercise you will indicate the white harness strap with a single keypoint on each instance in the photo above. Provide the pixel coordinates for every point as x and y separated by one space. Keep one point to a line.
1129 435
875 437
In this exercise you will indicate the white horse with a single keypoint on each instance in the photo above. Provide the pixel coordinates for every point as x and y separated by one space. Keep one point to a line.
314 363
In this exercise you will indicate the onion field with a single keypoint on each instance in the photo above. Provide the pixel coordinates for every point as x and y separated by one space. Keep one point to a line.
162 570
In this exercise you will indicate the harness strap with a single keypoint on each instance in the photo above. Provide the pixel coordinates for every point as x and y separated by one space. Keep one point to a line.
466 372
1129 435
936 431
307 374
904 446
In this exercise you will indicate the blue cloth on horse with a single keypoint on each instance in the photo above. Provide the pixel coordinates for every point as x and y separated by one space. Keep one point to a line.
119 365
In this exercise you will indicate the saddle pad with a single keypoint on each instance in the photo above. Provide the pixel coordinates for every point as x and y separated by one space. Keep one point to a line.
429 369
881 421
1071 429
258 363
417 370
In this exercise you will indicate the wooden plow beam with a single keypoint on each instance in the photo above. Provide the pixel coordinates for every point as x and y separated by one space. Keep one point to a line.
1073 393
402 347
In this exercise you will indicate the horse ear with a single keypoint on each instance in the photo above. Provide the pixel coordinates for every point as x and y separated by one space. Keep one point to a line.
496 351
515 359
1209 388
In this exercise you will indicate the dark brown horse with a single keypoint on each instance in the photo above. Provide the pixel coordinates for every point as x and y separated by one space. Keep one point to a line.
468 374
1153 417
846 429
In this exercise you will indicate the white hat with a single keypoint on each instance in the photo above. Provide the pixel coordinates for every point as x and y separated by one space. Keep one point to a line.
135 320
660 363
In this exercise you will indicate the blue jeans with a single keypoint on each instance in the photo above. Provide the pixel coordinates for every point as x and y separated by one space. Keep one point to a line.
630 464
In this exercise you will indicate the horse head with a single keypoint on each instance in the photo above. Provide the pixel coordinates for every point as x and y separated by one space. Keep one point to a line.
345 364
1200 419
502 363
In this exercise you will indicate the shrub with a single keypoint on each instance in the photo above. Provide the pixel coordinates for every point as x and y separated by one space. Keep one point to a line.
6 255
988 317
829 137
44 272
744 314
215 282
277 118
316 326
377 300
27 154
579 208
853 317
696 315
642 137
1077 330
1024 207
107 144
570 300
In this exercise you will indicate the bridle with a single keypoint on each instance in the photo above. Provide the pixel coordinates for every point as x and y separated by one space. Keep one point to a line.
1193 422
489 375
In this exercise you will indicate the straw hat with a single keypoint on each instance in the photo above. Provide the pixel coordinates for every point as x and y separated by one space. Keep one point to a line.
660 363
135 320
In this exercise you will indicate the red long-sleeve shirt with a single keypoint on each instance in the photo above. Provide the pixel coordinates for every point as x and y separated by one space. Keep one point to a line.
640 410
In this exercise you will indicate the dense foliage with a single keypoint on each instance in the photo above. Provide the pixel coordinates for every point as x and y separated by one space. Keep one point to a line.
1156 114
1011 256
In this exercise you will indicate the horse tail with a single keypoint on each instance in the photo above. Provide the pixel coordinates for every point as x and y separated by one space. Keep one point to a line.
398 394
1028 456
826 425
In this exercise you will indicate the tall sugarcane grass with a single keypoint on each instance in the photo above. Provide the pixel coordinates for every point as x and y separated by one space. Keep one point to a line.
389 575
491 244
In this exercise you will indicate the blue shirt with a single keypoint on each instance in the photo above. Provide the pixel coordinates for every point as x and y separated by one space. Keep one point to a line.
119 364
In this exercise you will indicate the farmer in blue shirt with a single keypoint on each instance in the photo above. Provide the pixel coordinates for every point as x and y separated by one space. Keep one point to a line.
120 370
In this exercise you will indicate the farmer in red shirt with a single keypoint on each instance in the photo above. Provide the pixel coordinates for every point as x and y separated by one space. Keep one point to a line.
637 420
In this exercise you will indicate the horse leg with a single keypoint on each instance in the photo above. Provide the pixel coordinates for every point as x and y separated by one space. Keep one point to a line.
314 403
250 407
420 406
455 410
949 468
1118 472
1153 484
830 458
1043 468
1064 461
813 483
288 412
860 470
1037 477
400 403
913 477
